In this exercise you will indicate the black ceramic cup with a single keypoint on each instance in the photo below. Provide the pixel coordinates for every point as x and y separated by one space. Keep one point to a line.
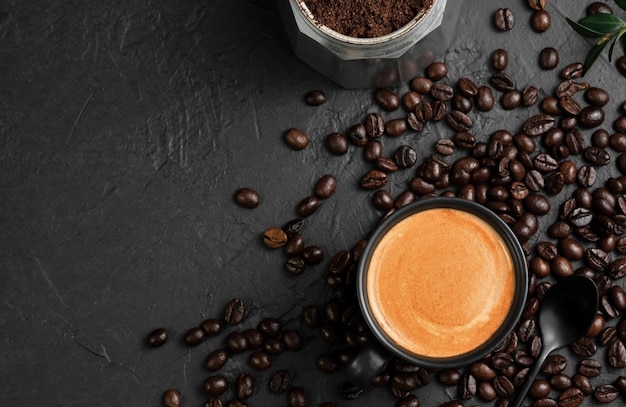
371 359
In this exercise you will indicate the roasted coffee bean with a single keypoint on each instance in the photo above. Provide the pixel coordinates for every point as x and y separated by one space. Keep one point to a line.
560 381
295 265
459 121
172 398
462 103
294 245
561 267
442 91
484 99
386 164
215 385
313 254
424 112
467 87
236 342
591 116
569 106
554 364
436 71
571 249
586 176
194 336
597 259
337 143
451 403
539 389
620 63
539 124
618 298
405 156
540 21
572 397
589 368
617 354
607 336
274 238
254 338
387 99
216 359
584 347
296 139
554 183
499 59
374 125
503 387
409 401
396 127
537 4
374 179
511 99
449 377
529 96
404 199
158 337
325 186
246 197
279 382
410 100
502 82
421 85
245 386
572 71
621 163
439 110
383 200
308 206
526 330
466 388
605 393
598 7
619 124
502 360
269 327
620 385
550 105
596 96
357 134
597 156
548 58
617 268
545 163
273 346
326 363
444 146
504 19
350 391
534 180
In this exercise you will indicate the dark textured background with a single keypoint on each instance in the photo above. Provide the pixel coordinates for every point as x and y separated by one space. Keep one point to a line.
125 127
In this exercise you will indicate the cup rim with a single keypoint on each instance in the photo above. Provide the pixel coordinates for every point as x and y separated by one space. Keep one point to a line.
519 298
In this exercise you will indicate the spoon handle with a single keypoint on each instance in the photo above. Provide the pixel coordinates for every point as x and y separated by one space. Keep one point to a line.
521 394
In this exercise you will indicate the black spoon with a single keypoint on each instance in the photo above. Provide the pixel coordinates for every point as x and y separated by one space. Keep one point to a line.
567 311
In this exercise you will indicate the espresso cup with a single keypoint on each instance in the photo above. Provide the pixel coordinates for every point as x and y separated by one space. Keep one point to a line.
441 283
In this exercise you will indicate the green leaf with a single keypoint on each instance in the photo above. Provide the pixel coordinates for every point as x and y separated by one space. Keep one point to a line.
603 23
621 4
592 55
615 41
624 44
582 30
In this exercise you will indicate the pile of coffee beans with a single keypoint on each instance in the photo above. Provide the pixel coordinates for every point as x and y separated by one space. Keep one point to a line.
519 172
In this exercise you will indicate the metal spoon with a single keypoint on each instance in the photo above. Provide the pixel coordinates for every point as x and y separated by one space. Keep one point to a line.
567 311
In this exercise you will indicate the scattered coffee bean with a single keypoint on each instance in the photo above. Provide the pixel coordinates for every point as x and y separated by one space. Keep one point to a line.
337 143
274 238
296 139
436 71
548 58
158 337
216 385
315 98
499 59
172 398
504 19
194 336
296 397
405 156
325 186
279 381
605 393
248 198
235 311
387 99
374 179
540 21
421 85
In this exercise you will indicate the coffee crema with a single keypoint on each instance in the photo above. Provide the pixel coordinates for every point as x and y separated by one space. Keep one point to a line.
440 282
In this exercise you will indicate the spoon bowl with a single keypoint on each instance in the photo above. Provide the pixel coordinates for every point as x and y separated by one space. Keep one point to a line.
567 311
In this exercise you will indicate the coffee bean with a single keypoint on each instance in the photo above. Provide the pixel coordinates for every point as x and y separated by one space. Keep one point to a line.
439 110
337 143
462 103
315 98
405 156
357 134
597 156
591 116
387 99
569 88
539 389
294 245
158 337
504 19
172 398
621 163
274 238
421 85
436 71
560 381
605 393
396 127
584 347
308 206
548 58
386 164
216 385
529 96
539 124
572 397
269 327
374 125
279 381
499 59
459 121
618 298
295 265
569 106
325 186
511 99
572 71
617 268
502 82
410 100
617 354
540 21
244 387
296 139
234 312
296 397
292 340
554 364
503 387
484 99
194 336
424 112
619 124
383 200
442 91
620 63
350 391
449 377
294 226
467 387
444 146
374 179
216 359
620 385
246 197
409 401
596 96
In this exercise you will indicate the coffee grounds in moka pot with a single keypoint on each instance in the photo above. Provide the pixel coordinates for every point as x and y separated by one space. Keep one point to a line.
366 18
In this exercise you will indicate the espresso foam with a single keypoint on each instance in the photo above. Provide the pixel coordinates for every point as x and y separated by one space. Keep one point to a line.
440 282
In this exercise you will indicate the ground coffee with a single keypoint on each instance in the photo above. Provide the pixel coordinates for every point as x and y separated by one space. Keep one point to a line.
366 18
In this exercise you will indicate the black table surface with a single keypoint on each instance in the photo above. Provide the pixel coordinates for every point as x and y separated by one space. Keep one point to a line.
125 128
